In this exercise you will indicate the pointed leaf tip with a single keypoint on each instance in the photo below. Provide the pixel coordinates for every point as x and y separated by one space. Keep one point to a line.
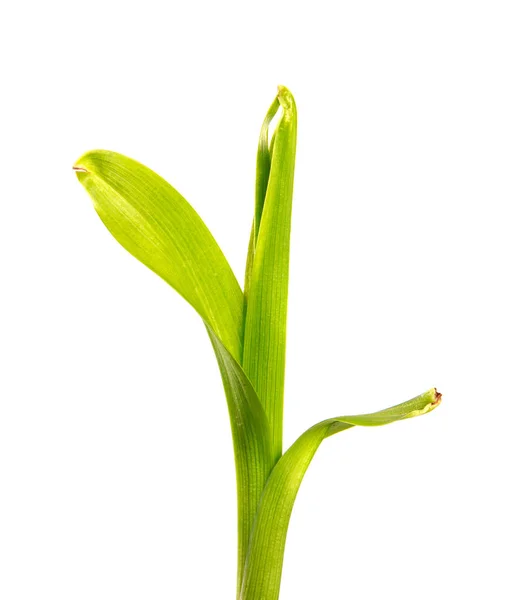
86 163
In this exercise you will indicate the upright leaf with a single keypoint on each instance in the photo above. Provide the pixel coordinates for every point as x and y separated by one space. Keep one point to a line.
267 279
262 174
262 575
263 162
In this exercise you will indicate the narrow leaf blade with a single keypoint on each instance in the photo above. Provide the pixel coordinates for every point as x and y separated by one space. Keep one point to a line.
267 282
263 163
262 575
251 442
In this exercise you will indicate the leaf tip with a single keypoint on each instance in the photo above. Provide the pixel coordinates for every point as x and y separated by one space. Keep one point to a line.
92 160
82 164
285 98
437 398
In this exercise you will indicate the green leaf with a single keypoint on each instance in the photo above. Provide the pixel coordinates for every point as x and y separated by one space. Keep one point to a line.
267 271
262 575
262 174
157 225
263 162
251 441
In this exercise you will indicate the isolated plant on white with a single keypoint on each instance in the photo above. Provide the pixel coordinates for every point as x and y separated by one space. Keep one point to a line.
247 328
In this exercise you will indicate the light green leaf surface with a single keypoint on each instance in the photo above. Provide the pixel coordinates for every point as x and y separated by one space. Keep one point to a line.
251 441
267 279
262 174
263 163
262 575
151 220
158 226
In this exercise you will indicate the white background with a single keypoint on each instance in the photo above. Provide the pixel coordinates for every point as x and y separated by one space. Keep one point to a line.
116 468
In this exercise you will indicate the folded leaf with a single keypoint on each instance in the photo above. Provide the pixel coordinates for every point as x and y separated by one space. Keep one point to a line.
158 226
267 270
262 574
251 441
262 174
263 162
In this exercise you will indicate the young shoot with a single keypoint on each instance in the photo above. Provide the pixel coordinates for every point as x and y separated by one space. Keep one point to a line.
247 329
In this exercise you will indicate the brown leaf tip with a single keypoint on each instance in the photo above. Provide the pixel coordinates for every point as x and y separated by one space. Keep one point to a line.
79 169
437 399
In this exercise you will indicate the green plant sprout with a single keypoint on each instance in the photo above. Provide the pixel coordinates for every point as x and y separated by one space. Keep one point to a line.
247 329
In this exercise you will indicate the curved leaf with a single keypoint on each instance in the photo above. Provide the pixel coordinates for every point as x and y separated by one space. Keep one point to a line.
158 226
251 441
267 270
151 220
262 574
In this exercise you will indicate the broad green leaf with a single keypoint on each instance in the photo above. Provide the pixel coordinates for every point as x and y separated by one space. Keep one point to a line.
158 226
262 574
267 281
